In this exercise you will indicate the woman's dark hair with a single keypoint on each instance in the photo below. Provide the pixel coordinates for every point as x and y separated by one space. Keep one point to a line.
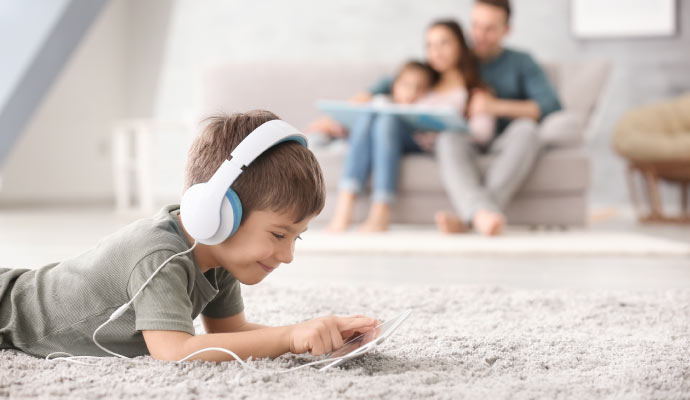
468 63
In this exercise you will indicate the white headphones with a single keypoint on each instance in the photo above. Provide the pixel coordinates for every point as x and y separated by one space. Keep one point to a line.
211 212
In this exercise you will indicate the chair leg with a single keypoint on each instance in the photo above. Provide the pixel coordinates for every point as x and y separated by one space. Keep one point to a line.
653 193
630 175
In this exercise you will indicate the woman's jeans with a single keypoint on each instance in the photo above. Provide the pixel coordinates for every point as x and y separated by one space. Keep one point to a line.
377 143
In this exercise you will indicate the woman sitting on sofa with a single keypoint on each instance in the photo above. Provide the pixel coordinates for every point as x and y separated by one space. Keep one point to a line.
379 140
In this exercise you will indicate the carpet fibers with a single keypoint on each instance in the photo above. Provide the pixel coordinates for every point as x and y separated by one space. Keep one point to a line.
460 342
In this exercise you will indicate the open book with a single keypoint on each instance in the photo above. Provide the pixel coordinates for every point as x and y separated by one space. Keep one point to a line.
420 118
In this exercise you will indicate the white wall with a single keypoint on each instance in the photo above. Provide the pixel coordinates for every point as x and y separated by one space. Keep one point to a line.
63 153
31 22
644 69
146 58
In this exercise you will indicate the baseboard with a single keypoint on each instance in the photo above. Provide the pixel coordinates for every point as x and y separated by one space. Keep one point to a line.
92 202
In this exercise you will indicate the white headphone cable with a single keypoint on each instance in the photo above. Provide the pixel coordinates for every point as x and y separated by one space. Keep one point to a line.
118 313
123 308
74 359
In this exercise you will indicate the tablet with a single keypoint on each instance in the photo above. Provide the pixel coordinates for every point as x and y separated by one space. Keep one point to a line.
361 344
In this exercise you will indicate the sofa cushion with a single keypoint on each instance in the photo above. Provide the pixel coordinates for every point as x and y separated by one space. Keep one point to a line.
291 89
558 170
288 89
581 83
419 208
562 129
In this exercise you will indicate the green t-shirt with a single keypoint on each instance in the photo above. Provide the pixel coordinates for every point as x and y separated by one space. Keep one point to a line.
58 307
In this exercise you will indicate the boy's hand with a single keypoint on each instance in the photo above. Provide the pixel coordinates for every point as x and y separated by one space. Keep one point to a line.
323 335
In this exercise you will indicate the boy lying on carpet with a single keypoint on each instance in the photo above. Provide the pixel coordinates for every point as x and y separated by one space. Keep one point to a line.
58 307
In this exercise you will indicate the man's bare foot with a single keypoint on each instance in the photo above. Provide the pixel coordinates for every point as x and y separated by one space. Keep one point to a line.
489 223
343 212
449 223
378 219
338 225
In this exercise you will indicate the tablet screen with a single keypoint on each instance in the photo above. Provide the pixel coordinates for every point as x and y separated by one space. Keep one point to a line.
380 332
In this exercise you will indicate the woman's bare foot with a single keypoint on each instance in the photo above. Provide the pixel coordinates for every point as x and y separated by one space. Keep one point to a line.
449 223
489 223
378 219
343 212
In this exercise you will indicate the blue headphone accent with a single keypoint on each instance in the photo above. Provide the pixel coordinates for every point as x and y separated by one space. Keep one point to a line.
236 205
297 139
212 211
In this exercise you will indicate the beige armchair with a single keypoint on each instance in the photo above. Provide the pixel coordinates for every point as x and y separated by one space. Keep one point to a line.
655 141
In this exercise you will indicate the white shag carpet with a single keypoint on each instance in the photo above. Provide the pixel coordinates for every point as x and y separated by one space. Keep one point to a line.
460 342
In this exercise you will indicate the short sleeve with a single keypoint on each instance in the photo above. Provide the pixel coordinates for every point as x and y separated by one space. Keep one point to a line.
538 88
228 301
164 304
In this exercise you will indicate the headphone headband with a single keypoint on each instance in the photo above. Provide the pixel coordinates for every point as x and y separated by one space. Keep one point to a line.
256 143
263 138
202 222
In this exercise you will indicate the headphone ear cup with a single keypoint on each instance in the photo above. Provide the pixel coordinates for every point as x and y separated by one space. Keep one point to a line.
199 221
230 218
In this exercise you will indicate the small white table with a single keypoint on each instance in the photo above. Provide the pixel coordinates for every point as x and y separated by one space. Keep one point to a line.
132 157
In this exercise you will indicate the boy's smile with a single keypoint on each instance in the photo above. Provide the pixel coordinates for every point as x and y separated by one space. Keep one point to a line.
267 268
263 241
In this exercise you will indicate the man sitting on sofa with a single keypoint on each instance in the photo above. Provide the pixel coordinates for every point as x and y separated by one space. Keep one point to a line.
522 96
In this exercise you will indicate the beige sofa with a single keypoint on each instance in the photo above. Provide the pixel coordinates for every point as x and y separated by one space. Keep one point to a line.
555 193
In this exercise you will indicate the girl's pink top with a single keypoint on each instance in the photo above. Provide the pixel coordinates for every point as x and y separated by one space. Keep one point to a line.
481 126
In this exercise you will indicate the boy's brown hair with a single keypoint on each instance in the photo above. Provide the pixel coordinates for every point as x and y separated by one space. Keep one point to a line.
285 178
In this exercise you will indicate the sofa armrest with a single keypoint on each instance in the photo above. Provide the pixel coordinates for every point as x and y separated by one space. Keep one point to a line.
563 129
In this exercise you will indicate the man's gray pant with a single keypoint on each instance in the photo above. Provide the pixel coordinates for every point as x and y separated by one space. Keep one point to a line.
516 150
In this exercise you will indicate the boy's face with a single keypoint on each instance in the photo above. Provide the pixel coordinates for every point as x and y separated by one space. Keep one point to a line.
265 240
410 86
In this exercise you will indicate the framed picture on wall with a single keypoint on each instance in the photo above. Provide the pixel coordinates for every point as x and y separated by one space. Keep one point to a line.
622 18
